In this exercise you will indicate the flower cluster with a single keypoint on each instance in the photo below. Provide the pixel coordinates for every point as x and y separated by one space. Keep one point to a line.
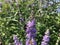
16 40
31 33
46 38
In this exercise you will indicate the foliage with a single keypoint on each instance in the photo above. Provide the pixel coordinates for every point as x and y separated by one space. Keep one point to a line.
46 18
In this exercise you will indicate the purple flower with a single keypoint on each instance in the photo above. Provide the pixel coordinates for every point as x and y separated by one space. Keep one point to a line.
44 43
27 41
30 33
46 38
16 40
33 41
21 19
31 23
15 37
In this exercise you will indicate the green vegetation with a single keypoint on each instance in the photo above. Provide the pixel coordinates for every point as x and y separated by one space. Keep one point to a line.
46 18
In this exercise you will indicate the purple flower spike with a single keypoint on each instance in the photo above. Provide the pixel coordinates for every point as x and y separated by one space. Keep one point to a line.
31 23
46 38
31 33
16 40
